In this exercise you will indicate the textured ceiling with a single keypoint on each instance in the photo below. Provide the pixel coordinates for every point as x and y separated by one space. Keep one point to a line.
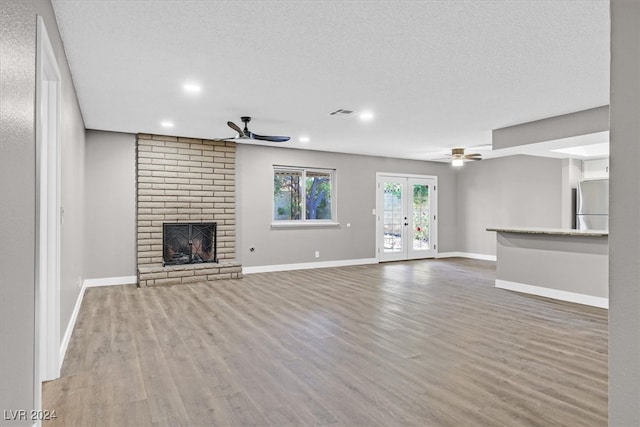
436 74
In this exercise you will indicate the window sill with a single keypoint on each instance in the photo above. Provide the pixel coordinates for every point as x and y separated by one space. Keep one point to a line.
307 224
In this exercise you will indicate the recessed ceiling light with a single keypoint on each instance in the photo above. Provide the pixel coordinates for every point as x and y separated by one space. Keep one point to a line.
304 139
192 88
366 116
166 124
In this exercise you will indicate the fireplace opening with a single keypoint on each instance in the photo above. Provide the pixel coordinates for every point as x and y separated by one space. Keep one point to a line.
189 243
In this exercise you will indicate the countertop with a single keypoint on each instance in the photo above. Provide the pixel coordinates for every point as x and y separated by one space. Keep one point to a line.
552 231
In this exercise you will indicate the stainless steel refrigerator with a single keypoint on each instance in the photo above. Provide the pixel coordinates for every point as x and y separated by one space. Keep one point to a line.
592 211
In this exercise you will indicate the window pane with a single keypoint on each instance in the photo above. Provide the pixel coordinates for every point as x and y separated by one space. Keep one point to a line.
318 195
287 203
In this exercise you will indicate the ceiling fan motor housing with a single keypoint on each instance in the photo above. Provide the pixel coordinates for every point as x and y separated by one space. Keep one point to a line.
246 134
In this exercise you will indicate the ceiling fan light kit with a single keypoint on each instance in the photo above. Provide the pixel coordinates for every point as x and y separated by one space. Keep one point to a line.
458 157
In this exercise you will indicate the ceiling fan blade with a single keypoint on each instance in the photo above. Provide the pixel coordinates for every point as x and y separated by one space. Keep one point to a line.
231 138
468 156
269 138
473 158
235 127
247 134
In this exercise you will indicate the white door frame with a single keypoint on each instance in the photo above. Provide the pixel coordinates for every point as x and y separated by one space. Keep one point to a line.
47 292
433 210
380 211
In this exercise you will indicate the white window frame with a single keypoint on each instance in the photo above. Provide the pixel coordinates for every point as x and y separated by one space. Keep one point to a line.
303 221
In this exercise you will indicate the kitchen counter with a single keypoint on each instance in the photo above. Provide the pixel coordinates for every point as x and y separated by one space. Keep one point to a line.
551 231
565 264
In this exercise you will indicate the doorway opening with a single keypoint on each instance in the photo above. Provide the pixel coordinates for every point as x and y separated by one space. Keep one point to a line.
406 217
48 211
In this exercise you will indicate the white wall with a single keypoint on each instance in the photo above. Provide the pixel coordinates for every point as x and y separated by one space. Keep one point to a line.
518 191
595 169
356 180
110 205
571 176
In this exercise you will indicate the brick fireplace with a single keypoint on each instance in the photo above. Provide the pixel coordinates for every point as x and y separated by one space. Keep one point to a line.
184 181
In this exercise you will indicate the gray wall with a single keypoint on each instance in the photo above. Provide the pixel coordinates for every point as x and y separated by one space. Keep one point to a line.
558 127
17 203
517 191
17 206
17 195
495 192
571 176
72 231
356 178
110 205
577 264
624 231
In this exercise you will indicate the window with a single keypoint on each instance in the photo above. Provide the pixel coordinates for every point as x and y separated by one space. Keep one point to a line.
303 195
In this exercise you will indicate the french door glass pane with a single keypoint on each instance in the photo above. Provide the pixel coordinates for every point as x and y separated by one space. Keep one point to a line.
421 216
393 219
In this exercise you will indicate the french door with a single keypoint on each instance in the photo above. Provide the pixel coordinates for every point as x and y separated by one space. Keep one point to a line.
406 217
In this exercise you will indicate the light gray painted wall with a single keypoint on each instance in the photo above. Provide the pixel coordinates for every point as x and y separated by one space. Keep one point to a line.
17 204
17 195
356 179
110 205
577 264
517 191
624 231
573 124
571 176
72 251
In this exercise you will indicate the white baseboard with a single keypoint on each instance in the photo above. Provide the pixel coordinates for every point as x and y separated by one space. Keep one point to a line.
72 323
89 283
553 293
466 255
308 265
111 281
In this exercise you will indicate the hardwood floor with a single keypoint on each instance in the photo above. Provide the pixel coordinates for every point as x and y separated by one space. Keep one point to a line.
421 343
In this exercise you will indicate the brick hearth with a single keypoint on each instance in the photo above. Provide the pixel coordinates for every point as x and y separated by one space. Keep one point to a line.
184 180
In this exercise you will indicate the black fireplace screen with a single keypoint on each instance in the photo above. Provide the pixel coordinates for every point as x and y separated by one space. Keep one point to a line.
189 243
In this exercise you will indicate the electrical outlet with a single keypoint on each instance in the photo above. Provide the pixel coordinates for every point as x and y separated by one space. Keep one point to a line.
317 254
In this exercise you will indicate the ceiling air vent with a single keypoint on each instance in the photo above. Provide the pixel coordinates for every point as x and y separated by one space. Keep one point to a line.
342 112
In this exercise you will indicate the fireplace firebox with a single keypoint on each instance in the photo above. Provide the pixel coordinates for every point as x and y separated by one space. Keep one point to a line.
189 243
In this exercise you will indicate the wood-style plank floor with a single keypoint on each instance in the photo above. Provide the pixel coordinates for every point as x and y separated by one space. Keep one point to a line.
421 343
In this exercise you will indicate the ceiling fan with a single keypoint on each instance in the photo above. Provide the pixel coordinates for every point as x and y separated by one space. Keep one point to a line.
458 157
247 134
